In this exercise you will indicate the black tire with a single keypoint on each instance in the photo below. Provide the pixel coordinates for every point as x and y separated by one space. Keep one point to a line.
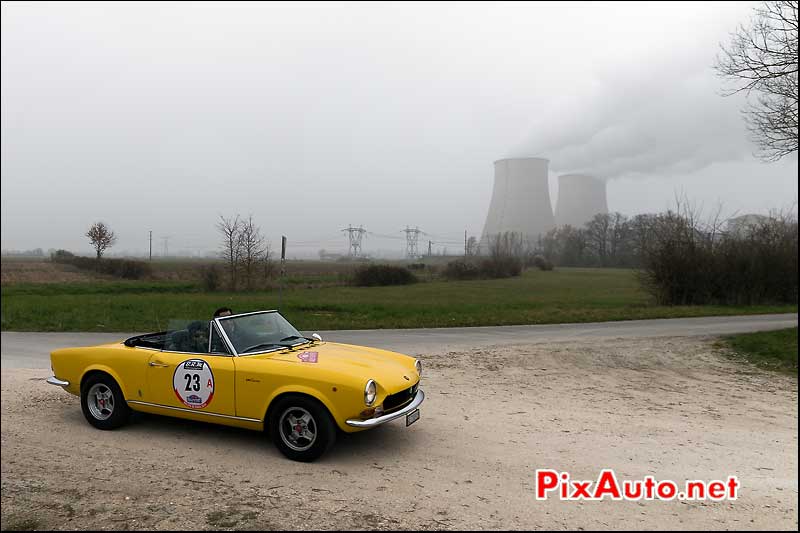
109 412
294 443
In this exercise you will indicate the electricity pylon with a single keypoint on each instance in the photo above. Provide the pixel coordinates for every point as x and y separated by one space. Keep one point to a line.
355 235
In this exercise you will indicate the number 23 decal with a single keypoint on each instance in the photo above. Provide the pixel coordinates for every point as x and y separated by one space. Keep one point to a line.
193 383
189 385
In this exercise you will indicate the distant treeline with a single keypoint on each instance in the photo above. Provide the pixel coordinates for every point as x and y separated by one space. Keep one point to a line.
682 260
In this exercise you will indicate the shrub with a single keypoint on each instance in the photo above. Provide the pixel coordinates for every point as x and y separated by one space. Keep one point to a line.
121 268
211 278
685 263
541 263
461 269
487 268
501 267
129 269
61 256
374 275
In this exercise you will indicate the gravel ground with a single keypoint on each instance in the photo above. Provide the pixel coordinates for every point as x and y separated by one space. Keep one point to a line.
673 408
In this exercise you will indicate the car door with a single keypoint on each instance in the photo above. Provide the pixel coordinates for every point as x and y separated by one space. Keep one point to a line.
202 382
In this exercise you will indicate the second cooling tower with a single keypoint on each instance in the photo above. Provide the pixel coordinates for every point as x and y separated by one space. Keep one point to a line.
520 200
580 198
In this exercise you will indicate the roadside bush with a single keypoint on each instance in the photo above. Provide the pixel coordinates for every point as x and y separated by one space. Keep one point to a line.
501 267
121 268
686 263
211 278
461 269
487 268
375 275
61 256
541 263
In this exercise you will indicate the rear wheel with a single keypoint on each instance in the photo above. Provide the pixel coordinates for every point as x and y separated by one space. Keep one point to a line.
102 402
301 428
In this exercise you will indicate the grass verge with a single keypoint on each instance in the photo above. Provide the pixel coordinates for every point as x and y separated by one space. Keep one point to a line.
772 350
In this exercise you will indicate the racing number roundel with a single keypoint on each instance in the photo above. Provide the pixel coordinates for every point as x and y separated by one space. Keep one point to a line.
193 383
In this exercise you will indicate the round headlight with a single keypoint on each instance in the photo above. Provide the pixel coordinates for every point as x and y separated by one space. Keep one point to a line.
418 366
370 391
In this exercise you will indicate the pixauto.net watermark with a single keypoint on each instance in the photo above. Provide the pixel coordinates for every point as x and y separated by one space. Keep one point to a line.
550 483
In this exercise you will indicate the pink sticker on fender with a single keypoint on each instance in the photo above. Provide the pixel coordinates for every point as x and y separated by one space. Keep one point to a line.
308 357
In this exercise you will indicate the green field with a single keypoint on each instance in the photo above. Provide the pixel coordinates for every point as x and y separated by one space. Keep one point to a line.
773 350
563 295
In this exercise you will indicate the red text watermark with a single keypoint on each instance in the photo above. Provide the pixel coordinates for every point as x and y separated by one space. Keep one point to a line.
553 484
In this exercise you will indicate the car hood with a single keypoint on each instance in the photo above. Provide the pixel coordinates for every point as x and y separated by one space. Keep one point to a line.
389 369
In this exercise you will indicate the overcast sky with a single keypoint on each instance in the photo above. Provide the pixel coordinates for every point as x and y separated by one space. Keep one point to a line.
312 117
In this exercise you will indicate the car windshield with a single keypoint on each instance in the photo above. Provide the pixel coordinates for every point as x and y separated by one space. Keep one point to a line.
260 332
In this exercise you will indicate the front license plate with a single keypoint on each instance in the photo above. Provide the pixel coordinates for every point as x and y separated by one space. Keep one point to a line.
412 417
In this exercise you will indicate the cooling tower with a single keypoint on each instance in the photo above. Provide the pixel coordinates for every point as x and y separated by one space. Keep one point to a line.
580 197
520 200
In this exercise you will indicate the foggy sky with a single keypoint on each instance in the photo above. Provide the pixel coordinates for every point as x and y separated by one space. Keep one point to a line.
315 116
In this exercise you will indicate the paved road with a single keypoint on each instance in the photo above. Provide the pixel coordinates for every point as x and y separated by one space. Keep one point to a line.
32 350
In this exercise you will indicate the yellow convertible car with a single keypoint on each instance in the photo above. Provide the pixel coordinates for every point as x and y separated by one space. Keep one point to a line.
250 370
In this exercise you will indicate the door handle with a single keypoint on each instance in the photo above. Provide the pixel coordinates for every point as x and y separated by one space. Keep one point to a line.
157 363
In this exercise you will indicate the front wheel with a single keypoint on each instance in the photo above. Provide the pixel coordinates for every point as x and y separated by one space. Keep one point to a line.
301 428
102 402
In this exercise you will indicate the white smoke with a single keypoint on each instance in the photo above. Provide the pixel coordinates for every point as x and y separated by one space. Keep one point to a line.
658 121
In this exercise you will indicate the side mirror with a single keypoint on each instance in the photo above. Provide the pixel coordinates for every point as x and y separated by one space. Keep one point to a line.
316 336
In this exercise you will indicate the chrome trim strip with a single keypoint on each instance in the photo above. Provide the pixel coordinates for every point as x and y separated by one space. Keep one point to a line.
194 411
52 380
245 314
225 335
225 339
372 422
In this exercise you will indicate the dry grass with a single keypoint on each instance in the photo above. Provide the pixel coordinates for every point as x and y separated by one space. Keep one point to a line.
42 271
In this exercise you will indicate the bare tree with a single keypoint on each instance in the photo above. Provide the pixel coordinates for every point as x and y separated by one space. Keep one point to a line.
472 246
252 246
763 58
230 230
506 244
101 238
598 236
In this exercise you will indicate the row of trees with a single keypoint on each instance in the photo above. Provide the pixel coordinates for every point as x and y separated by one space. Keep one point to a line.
607 240
247 254
682 257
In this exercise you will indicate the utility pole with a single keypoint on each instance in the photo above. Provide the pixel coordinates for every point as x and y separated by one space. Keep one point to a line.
283 270
166 245
465 243
151 245
429 248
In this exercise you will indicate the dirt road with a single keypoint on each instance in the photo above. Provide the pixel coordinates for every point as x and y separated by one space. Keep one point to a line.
673 408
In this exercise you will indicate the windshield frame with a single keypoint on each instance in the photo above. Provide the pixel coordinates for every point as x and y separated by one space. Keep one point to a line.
218 320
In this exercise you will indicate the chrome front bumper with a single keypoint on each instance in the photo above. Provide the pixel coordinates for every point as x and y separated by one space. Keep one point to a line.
377 421
52 380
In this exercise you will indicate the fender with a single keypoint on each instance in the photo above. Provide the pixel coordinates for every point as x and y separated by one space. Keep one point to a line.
107 370
308 391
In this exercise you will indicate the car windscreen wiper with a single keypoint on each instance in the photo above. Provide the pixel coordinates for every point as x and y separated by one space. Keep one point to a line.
263 345
292 337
